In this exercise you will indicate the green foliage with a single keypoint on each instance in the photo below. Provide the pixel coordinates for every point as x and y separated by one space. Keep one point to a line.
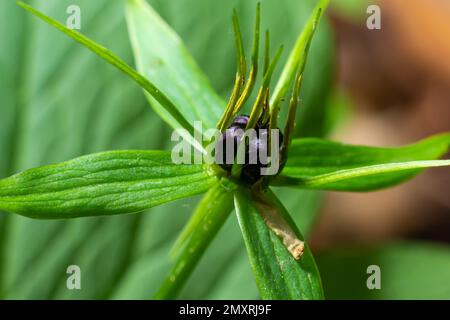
105 183
96 109
133 264
59 102
162 57
315 163
277 274
111 58
214 208
298 56
411 270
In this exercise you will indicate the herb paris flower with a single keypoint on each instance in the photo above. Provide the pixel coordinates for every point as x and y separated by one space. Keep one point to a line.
131 181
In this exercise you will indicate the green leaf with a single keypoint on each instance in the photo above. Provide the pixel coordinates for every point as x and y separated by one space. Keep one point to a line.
321 164
210 204
216 276
215 207
60 101
350 179
303 206
111 58
105 183
64 102
278 275
284 18
408 270
298 56
163 58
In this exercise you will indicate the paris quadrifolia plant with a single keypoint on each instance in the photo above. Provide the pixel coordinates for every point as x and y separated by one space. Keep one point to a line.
126 182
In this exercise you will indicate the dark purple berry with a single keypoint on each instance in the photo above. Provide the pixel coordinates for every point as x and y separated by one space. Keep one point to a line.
231 136
240 121
251 171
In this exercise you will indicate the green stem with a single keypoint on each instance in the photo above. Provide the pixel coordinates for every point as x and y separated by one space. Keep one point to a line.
203 208
220 200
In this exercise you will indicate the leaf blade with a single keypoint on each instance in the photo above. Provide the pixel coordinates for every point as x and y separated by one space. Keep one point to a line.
66 103
316 163
161 55
113 182
111 58
298 55
277 274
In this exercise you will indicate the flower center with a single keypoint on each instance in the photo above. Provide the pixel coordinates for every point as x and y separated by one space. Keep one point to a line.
256 153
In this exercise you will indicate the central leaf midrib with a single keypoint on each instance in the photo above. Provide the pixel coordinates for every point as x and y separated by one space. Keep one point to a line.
197 177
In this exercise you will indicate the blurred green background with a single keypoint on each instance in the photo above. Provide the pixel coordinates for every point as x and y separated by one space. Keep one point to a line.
59 101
